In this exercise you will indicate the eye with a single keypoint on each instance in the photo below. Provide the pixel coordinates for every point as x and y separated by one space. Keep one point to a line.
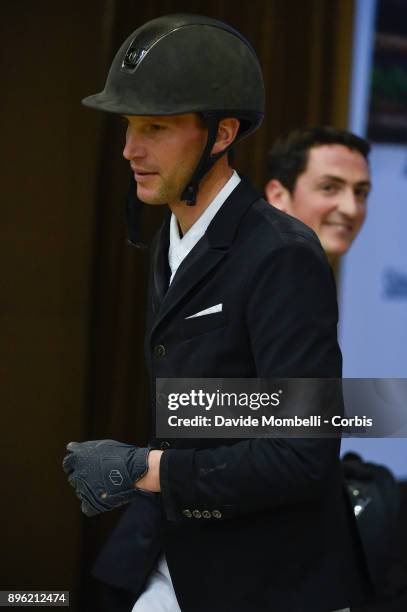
157 127
361 195
329 188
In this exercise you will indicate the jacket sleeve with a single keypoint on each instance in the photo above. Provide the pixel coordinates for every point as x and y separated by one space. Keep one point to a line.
291 315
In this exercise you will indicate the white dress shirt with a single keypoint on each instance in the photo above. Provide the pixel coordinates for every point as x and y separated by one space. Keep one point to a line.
181 246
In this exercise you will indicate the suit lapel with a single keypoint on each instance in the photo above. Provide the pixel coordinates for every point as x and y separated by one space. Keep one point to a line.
205 255
199 262
161 268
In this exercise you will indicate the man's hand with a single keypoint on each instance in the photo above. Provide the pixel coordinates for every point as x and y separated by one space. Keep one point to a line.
104 473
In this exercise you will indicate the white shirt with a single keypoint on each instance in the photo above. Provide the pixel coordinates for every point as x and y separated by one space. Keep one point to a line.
159 594
181 246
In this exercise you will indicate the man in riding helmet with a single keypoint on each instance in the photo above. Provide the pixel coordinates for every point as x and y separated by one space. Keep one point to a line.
237 290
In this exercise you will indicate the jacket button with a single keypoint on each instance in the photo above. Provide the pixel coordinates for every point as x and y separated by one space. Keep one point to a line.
196 514
165 445
206 514
187 513
216 514
159 350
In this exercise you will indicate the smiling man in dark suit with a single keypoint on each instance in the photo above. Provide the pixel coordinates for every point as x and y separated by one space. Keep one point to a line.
237 289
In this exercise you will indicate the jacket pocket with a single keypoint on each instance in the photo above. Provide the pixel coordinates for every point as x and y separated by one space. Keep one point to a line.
188 328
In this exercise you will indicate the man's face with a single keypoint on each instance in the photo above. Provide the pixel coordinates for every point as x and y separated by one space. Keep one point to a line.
330 195
163 153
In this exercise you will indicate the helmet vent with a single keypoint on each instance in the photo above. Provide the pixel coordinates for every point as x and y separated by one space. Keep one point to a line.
133 57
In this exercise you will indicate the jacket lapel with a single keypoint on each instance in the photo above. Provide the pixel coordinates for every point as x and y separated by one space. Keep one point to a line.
161 268
199 262
203 258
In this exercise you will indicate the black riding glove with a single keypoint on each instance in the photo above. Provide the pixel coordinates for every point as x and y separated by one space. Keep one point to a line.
103 473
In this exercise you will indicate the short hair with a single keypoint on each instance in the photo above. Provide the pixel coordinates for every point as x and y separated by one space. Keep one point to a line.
288 157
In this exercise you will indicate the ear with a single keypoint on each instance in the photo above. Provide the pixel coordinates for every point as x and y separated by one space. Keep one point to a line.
227 132
278 195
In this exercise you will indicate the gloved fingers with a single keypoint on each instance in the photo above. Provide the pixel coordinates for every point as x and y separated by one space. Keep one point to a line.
68 464
76 484
107 442
91 444
72 481
85 493
74 446
84 447
88 509
79 446
89 505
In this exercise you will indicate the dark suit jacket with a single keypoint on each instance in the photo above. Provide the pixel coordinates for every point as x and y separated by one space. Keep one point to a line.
280 533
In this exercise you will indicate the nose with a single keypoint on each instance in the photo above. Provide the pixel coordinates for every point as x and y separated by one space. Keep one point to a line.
133 147
348 204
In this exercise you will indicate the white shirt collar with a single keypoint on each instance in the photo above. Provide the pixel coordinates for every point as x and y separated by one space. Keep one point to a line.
180 247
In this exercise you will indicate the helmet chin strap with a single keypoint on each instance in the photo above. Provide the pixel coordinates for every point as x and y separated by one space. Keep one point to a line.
190 193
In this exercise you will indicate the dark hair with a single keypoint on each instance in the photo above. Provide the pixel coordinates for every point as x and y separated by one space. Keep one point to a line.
288 157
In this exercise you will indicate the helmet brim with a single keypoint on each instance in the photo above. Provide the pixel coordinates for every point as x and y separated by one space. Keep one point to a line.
103 101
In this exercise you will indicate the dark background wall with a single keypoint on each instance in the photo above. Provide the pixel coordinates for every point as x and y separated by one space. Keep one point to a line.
73 292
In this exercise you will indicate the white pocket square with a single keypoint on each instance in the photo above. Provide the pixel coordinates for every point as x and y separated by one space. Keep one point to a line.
210 310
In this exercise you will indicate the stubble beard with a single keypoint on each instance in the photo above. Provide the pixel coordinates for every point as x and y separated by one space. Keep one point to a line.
167 191
160 195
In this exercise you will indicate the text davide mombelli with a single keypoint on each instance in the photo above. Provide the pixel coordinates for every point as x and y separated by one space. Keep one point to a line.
253 401
314 421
